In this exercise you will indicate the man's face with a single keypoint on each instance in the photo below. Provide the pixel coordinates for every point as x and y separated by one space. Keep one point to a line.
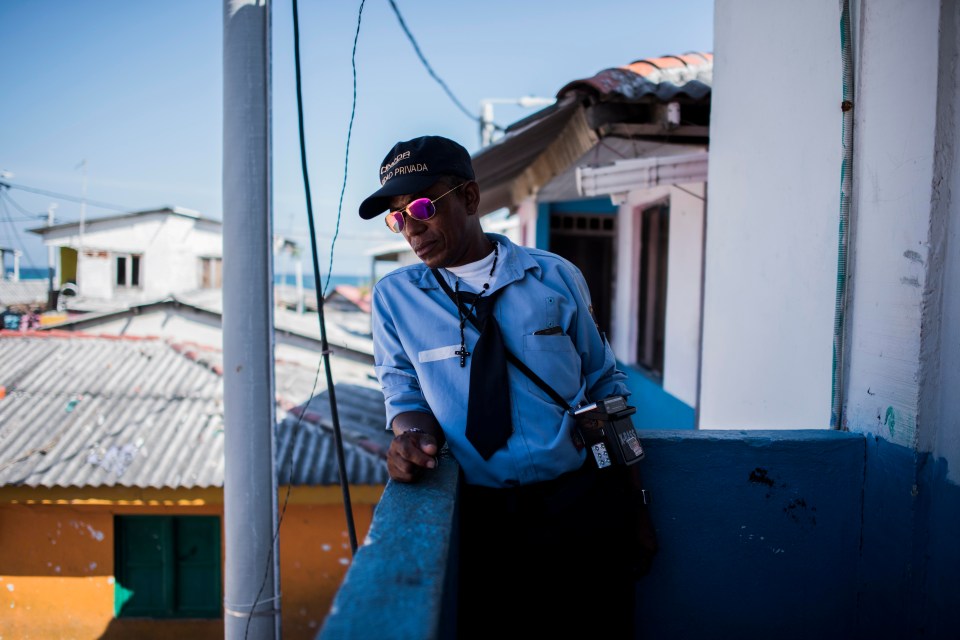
441 241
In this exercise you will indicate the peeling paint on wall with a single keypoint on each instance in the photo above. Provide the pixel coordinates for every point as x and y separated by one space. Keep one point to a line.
799 512
82 527
913 256
897 425
760 475
116 459
889 421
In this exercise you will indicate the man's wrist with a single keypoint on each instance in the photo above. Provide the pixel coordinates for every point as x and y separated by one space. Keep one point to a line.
441 442
416 430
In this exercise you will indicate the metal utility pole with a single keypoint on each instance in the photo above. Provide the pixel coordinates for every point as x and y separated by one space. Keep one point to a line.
252 575
15 276
299 268
487 128
83 205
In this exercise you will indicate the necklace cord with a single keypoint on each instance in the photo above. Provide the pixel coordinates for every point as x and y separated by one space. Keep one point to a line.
463 314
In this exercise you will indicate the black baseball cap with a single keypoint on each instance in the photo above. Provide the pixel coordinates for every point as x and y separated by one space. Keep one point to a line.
414 165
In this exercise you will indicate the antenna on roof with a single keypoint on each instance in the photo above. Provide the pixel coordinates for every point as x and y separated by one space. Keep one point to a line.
83 208
487 126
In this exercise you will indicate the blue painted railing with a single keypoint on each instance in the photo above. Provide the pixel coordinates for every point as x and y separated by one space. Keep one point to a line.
783 534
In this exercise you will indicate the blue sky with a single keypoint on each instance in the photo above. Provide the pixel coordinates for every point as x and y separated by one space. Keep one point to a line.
135 89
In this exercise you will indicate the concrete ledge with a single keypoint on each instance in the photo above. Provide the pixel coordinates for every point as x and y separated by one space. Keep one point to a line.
396 587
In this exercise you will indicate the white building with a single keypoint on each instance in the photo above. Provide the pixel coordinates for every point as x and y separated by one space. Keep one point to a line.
138 256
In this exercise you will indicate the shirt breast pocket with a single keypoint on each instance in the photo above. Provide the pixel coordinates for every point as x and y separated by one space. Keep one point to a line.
555 360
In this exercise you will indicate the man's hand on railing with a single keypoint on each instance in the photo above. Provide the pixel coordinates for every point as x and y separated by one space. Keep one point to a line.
415 446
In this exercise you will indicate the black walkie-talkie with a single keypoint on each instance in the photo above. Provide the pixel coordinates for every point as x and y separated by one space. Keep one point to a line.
605 426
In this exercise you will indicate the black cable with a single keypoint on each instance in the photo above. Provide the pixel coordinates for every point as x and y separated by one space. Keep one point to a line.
346 158
688 192
16 233
21 209
324 346
23 219
430 70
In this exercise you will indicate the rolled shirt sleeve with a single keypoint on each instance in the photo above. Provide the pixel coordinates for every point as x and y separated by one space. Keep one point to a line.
394 370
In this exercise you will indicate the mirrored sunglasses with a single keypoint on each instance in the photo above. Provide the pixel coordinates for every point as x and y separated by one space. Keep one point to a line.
421 209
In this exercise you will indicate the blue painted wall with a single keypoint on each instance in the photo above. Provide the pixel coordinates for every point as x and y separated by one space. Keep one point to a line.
937 551
910 563
763 534
759 534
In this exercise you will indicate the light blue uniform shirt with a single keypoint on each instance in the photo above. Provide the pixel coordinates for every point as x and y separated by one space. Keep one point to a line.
416 331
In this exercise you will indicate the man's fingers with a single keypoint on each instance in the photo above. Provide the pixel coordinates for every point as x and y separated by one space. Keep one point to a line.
419 448
409 454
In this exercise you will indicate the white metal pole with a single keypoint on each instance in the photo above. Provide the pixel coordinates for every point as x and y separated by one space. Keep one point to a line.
83 215
83 201
252 575
299 284
486 122
51 303
488 127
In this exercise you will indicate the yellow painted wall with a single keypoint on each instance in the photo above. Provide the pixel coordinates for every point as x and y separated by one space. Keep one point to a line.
57 560
68 265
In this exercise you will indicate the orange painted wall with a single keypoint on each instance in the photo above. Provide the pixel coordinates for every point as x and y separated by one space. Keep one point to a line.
314 555
57 563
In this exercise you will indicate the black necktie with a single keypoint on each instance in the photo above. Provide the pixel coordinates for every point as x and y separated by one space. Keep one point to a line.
488 409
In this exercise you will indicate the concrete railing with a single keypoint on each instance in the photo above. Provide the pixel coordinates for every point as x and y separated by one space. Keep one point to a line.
402 583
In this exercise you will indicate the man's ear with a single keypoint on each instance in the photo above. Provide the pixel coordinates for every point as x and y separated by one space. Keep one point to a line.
471 197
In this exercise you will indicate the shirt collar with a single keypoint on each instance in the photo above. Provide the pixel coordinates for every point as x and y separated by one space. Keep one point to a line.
515 263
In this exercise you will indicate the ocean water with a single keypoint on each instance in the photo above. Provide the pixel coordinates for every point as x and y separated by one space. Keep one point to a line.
290 280
28 273
287 279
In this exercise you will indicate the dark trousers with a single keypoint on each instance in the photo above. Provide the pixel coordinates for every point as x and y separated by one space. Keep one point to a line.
547 559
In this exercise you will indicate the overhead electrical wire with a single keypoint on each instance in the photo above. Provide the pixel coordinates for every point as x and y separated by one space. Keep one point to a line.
324 346
20 208
64 196
433 74
16 233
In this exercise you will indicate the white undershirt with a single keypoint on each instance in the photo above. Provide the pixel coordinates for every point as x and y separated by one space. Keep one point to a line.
475 274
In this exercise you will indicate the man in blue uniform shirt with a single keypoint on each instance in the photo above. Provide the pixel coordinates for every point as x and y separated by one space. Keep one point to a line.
549 543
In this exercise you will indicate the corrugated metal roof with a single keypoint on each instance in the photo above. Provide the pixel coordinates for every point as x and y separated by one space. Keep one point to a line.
307 435
23 292
93 411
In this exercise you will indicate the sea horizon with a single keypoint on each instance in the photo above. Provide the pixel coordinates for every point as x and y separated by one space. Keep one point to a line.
284 279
